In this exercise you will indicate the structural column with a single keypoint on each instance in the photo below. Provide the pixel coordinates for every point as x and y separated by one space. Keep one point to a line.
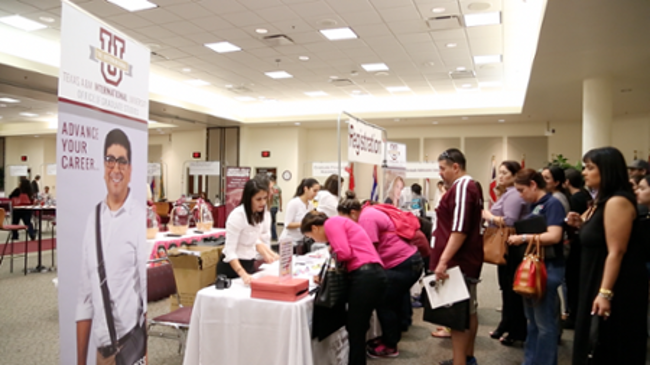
597 113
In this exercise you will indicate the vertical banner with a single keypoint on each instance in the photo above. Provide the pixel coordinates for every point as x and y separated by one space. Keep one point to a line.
236 178
102 171
365 143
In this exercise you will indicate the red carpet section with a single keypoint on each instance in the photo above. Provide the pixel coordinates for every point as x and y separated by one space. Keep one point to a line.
32 246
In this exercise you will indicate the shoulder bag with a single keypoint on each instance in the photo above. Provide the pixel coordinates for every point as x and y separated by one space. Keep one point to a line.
530 278
333 285
131 348
495 245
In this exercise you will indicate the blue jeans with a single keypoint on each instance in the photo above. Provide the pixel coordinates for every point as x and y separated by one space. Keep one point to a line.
543 320
274 232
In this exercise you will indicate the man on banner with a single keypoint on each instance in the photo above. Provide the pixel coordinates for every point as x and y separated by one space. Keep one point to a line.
112 295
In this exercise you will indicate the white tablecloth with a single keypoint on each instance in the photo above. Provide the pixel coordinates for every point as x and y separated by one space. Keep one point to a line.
230 327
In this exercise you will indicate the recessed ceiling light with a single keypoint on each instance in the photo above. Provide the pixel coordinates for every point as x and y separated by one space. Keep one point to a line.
334 77
438 10
261 31
479 6
245 98
197 82
297 123
22 23
222 47
186 69
398 89
467 86
461 68
304 58
435 122
134 5
30 115
279 75
480 60
356 91
464 118
338 34
9 100
46 19
228 86
473 20
314 94
451 45
397 119
373 67
381 73
501 120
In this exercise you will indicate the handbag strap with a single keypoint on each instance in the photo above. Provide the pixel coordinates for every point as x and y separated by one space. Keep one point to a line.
101 268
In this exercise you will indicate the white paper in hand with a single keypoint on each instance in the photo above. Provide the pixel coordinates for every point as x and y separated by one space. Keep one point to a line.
450 291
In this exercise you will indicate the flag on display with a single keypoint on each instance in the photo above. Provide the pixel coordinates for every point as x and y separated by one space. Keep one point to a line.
350 171
493 183
153 186
523 161
374 193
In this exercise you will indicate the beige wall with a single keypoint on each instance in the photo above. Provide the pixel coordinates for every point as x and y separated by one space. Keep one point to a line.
632 133
39 151
535 149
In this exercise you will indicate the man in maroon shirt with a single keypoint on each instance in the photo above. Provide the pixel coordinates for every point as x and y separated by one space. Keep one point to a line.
458 242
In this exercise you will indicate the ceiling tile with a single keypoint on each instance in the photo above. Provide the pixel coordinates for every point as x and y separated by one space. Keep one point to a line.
372 30
278 14
196 50
345 6
174 53
350 44
130 21
307 37
260 4
408 26
293 50
447 35
425 8
264 52
188 10
245 18
383 4
231 35
362 18
42 4
181 42
312 9
156 32
407 12
102 9
183 28
159 16
320 47
414 38
212 23
293 26
223 7
206 37
15 7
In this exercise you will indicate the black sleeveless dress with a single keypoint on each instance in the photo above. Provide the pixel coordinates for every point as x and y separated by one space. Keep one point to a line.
622 337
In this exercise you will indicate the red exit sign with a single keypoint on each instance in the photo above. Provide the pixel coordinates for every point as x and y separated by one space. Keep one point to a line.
196 154
266 154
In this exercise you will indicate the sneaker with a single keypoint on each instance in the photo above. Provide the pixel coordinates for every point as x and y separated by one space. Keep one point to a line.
471 361
382 351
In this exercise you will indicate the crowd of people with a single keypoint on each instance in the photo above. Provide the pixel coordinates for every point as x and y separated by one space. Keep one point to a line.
594 246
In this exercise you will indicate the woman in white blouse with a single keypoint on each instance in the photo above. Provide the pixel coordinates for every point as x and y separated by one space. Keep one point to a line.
328 196
247 233
297 208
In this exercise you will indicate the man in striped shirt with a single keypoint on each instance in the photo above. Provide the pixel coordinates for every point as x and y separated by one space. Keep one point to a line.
459 242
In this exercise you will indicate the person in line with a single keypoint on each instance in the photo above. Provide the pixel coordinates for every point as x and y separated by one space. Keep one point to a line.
366 276
579 202
297 208
554 178
403 265
459 242
247 233
638 168
121 277
24 193
635 180
35 187
328 196
504 213
418 202
543 318
394 191
276 205
613 278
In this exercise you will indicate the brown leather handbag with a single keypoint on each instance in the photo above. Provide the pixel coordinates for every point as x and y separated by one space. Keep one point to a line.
530 278
495 245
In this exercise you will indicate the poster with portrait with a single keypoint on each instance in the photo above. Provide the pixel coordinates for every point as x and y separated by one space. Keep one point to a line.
101 175
394 182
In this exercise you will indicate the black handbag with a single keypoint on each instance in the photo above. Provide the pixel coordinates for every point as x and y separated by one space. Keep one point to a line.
454 316
594 341
333 285
132 348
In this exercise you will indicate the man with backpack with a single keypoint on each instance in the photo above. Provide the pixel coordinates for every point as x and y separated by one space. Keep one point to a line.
458 242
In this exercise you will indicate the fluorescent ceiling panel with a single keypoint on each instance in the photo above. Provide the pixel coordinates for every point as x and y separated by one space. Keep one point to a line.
222 47
398 89
481 60
26 114
314 94
339 34
279 75
478 19
133 5
197 82
9 100
374 67
22 23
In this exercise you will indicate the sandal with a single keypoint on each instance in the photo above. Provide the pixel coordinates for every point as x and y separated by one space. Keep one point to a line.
441 332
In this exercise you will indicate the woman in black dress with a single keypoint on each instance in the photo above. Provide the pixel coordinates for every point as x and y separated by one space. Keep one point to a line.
613 282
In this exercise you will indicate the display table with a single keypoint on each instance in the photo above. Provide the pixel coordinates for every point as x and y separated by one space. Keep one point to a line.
39 210
230 327
162 241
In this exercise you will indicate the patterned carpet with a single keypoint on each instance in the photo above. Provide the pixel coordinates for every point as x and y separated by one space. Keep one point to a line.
29 326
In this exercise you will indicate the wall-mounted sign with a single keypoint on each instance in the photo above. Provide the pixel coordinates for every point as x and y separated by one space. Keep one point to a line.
419 170
18 170
210 168
328 168
153 170
266 154
196 154
23 158
50 169
395 155
365 143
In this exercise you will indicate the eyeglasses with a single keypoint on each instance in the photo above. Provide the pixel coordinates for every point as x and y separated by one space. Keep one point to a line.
110 161
445 156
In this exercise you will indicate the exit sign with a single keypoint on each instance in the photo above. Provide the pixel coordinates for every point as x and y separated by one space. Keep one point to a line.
196 154
266 154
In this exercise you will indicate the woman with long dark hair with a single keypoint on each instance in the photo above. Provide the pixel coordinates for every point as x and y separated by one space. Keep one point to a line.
554 177
504 213
247 233
543 318
613 280
328 196
297 208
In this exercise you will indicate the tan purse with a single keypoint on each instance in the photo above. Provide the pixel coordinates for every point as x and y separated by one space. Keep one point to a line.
495 245
531 276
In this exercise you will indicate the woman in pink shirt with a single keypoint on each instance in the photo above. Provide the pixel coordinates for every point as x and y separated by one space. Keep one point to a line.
366 275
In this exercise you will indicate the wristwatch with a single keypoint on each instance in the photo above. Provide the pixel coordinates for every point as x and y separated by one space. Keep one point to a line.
606 293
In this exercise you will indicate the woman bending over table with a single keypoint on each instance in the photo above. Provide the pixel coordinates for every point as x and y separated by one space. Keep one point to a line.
247 233
366 276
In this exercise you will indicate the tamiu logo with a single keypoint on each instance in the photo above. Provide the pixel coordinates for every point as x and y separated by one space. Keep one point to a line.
110 57
393 151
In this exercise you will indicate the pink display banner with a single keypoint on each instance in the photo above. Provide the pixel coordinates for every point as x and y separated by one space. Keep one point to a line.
236 178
